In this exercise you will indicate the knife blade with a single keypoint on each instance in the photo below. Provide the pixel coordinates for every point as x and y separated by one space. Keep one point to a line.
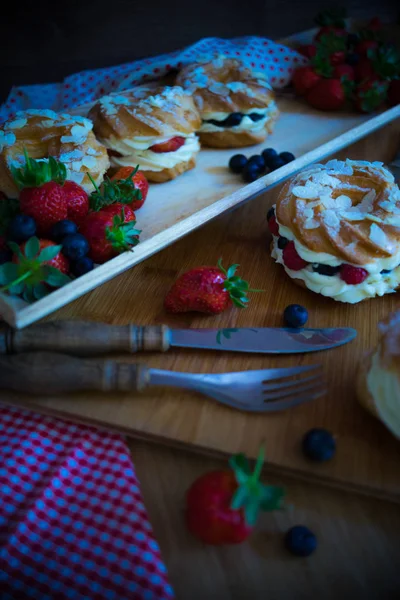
267 340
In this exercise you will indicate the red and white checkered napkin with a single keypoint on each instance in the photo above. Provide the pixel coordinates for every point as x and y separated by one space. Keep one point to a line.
275 60
72 520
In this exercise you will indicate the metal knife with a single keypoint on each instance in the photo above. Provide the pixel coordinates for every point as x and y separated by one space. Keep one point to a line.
83 338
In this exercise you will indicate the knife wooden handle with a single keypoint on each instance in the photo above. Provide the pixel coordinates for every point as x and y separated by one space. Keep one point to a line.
82 338
45 373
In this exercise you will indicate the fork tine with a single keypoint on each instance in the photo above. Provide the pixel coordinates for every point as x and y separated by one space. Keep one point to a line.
290 392
271 374
285 404
290 383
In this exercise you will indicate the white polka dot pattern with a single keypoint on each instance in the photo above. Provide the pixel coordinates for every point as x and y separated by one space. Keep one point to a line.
276 61
72 520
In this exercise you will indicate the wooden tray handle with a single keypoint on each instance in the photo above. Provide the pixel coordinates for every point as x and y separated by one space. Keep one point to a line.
45 373
82 338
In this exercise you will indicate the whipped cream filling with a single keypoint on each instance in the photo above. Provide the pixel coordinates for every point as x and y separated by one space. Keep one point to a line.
384 388
376 284
246 123
136 152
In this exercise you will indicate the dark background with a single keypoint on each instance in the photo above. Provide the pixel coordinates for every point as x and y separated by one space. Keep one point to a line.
44 41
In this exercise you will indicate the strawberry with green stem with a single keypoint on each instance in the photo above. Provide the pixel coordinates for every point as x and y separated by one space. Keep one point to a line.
37 267
208 289
331 21
122 191
222 506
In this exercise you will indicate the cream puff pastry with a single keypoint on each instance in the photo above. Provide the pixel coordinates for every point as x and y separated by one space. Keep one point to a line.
336 230
44 133
378 380
236 104
150 127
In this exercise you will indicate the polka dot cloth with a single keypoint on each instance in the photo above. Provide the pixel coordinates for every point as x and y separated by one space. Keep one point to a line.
275 60
72 520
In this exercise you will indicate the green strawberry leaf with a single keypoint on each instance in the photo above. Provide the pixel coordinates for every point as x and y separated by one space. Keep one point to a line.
47 254
54 277
32 247
8 273
123 191
35 173
40 290
231 271
239 498
15 249
272 498
240 461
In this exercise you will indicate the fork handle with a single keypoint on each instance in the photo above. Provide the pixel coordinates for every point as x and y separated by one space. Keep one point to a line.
84 338
45 373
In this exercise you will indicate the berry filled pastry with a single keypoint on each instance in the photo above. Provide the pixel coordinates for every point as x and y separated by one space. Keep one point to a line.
150 127
336 230
236 104
44 133
378 380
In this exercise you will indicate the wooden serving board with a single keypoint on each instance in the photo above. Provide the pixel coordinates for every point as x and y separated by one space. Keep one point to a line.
178 207
367 456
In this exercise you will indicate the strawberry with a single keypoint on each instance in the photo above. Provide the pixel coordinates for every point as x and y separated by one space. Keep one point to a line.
118 209
304 79
331 21
41 195
353 275
364 70
292 260
36 267
131 190
394 92
332 47
307 50
370 95
109 234
222 506
380 63
139 180
209 290
328 94
343 71
365 45
273 226
77 201
169 146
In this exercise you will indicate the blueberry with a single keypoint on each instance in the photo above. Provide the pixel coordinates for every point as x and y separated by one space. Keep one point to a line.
270 213
21 229
352 39
287 157
319 445
233 120
385 271
82 266
237 163
5 255
256 117
282 242
295 315
257 160
352 59
250 173
75 246
61 229
275 163
300 541
326 270
268 154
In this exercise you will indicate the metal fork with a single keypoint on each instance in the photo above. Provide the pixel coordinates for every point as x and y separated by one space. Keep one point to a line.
266 390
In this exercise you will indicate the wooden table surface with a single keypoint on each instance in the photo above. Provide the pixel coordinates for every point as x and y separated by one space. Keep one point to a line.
358 552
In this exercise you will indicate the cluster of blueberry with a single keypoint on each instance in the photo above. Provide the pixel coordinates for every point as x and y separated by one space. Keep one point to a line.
251 168
74 245
234 119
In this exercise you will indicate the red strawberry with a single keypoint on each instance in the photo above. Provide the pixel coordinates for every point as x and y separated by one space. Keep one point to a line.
169 146
329 30
140 183
304 79
292 259
370 95
108 234
45 204
365 45
307 50
222 506
41 195
37 267
273 226
209 290
328 94
343 71
353 275
77 201
364 70
118 209
394 92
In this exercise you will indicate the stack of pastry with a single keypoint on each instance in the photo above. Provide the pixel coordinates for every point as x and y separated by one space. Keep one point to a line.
336 230
150 127
378 382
